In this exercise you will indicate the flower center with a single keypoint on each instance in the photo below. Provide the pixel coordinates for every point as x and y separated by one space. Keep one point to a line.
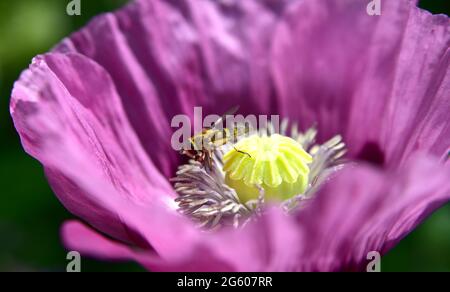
229 184
277 164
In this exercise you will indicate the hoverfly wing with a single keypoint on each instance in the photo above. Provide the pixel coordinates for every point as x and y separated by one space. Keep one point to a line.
240 130
229 112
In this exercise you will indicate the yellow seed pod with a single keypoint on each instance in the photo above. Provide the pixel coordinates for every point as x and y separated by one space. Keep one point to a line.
276 163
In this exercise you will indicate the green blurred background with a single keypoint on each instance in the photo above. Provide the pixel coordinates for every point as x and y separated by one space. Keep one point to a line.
30 215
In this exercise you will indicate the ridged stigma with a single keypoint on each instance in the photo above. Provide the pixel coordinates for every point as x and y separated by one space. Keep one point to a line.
276 163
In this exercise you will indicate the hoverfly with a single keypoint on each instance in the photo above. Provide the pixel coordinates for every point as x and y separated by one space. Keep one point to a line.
204 143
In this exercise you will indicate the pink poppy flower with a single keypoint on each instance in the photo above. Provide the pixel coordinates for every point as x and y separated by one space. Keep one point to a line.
96 112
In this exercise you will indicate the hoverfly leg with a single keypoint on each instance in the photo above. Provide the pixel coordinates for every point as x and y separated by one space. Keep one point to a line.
210 163
206 161
242 152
